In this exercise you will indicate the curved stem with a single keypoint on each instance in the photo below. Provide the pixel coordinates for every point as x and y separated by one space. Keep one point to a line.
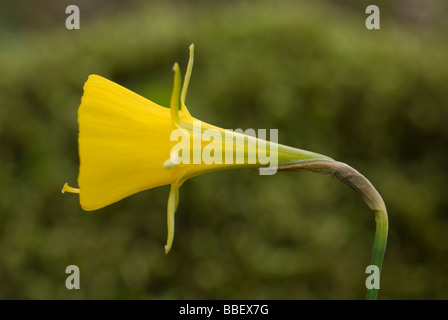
370 195
379 247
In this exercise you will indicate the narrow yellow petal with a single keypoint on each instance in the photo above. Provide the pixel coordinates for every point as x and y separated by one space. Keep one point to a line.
187 80
173 201
175 97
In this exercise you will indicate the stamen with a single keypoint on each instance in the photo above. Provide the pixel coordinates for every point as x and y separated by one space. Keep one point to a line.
67 188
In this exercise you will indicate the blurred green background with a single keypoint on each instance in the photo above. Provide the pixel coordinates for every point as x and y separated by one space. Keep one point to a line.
376 100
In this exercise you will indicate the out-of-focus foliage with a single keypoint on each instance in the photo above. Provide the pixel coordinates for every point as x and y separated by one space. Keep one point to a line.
376 100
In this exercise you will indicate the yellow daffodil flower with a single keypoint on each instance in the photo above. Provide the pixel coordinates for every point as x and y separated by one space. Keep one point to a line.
128 144
125 145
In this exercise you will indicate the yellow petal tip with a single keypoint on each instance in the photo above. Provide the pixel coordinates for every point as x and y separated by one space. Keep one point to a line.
167 249
168 164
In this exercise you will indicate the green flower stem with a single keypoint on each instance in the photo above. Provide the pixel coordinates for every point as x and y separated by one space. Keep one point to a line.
379 246
370 195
